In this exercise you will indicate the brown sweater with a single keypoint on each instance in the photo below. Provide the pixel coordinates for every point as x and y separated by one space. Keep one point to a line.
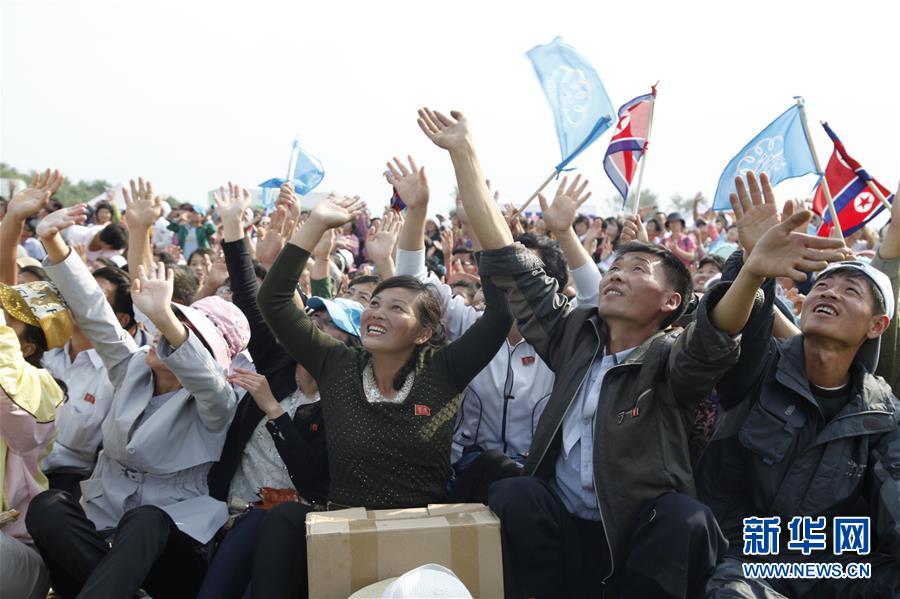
382 455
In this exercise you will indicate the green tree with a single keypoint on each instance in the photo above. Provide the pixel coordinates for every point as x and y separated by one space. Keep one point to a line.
70 192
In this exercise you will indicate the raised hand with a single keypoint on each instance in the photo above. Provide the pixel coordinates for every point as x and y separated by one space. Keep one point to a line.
289 199
755 210
277 233
333 212
28 202
383 237
142 207
410 183
63 218
447 245
634 230
890 246
258 387
569 198
232 202
446 132
784 252
152 293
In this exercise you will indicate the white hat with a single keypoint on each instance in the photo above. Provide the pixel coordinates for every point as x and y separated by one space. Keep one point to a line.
431 581
868 353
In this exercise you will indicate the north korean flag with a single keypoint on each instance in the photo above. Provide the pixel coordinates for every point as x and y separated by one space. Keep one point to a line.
854 201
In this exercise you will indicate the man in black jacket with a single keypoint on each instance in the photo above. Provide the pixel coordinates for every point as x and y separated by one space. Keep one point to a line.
605 501
809 432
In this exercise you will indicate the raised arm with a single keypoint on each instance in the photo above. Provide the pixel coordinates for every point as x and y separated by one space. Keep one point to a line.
85 299
452 134
142 209
887 260
293 328
23 205
780 251
382 244
559 218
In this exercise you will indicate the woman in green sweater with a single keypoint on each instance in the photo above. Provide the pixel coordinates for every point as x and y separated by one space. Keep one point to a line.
390 403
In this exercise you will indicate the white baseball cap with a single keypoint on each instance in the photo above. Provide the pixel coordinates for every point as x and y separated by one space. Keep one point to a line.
868 353
431 581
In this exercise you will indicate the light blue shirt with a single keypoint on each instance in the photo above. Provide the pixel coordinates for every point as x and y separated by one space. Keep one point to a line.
574 480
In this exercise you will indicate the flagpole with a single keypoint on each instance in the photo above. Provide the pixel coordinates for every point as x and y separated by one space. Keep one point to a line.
879 195
537 191
834 218
637 192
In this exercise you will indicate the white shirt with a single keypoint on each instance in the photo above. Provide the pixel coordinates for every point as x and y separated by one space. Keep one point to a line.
261 465
574 480
80 417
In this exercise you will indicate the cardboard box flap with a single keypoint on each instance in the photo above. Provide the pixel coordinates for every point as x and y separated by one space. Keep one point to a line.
439 509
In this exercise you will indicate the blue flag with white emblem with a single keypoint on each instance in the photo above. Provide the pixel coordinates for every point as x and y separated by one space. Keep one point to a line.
581 108
781 150
305 171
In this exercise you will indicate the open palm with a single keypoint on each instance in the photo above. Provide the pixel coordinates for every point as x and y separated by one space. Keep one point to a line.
560 215
410 183
152 293
142 207
30 200
232 202
63 218
334 211
446 132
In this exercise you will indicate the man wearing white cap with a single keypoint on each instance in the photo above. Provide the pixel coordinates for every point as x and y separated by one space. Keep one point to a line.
808 431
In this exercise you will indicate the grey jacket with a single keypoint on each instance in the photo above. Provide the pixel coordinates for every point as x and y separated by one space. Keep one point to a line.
773 454
646 402
154 452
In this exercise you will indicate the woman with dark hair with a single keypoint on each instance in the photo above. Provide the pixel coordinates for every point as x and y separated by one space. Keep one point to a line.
394 399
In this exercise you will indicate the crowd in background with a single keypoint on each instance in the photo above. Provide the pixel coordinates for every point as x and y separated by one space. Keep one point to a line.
162 369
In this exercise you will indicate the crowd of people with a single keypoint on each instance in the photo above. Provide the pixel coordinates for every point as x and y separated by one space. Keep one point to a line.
180 388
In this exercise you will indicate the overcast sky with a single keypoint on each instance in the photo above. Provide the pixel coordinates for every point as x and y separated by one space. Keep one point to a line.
192 94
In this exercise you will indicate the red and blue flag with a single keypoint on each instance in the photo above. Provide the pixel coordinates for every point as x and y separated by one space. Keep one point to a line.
854 201
629 142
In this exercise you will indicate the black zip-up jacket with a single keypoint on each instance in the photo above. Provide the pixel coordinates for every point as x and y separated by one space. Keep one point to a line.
773 453
300 441
641 429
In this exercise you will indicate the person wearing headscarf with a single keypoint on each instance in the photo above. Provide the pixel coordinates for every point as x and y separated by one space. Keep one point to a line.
166 427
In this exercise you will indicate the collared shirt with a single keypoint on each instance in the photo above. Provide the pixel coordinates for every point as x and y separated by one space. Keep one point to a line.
88 398
574 480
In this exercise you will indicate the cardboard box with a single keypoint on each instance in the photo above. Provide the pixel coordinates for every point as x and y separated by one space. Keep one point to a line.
350 549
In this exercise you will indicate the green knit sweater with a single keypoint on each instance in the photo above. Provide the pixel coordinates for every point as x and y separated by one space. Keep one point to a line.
382 455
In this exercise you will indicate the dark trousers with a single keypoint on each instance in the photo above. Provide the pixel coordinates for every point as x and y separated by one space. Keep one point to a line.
472 482
67 481
148 551
548 552
279 563
230 571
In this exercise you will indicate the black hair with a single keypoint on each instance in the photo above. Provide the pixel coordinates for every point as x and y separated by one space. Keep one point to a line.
429 311
878 305
35 335
115 235
185 285
36 271
201 252
716 261
121 301
469 287
104 206
581 219
364 280
677 274
553 258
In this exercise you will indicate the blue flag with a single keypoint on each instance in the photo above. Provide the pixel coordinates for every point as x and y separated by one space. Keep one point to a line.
781 150
305 170
581 108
